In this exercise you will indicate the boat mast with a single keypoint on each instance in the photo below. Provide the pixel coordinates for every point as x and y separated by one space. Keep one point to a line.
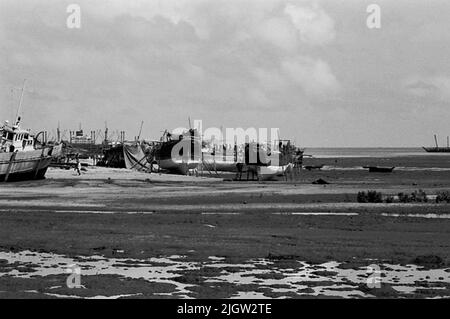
20 102
140 131
448 142
106 133
58 132
435 140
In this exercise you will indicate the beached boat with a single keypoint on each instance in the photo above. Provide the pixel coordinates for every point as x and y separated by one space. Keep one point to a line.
21 156
254 158
177 155
272 172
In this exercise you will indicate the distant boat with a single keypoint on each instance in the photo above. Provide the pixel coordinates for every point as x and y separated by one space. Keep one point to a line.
437 148
21 156
311 167
379 169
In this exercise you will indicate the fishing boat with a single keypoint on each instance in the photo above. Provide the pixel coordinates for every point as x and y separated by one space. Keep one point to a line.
22 157
437 148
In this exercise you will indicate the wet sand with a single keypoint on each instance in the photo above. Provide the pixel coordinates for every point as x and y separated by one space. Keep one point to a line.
282 231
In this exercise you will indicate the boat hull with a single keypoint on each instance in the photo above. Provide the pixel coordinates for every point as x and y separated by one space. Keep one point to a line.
178 156
437 149
178 166
27 165
271 172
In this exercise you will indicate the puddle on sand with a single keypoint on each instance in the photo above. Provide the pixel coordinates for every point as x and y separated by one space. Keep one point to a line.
443 216
95 297
155 269
317 214
270 280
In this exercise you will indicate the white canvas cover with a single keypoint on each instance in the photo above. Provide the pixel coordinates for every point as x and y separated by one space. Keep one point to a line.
135 158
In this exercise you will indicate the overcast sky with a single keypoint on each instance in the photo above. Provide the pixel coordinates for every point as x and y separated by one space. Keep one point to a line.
311 68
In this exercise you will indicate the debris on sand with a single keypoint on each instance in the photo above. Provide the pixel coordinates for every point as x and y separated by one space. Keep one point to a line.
320 181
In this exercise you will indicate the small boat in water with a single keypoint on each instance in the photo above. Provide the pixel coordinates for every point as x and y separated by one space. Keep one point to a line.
379 169
22 157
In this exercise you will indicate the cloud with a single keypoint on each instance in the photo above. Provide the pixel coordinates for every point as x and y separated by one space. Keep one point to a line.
278 32
313 24
434 87
314 77
163 61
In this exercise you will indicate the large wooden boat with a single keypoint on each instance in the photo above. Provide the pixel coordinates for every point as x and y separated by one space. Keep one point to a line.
268 162
177 155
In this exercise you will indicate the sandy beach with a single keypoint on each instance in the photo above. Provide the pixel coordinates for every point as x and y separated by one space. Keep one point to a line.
157 235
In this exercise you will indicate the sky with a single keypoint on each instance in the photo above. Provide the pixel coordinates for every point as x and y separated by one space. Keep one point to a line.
311 68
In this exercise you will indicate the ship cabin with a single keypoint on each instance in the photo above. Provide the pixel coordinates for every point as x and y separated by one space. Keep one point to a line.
78 137
13 139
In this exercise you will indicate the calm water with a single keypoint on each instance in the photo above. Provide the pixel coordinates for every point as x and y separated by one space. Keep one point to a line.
410 159
369 152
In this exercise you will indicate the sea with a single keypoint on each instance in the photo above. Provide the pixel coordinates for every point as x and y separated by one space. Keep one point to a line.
402 158
377 152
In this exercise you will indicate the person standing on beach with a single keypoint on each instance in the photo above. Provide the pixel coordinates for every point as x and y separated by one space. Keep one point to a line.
78 166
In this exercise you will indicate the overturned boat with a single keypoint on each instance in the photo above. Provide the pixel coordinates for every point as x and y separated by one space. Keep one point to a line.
22 157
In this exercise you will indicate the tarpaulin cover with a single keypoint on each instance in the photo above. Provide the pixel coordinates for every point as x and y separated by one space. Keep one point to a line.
135 158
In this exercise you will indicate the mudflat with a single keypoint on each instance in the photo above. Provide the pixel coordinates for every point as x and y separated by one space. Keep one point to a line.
156 235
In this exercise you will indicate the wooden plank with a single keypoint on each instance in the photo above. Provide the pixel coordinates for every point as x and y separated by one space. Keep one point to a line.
11 162
36 170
